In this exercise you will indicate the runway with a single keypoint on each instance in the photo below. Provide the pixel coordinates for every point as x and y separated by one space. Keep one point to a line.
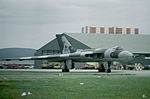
56 73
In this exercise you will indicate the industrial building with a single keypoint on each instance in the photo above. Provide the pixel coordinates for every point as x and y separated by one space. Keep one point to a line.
138 44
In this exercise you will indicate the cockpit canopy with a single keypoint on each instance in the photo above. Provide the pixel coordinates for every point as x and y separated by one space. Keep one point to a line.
117 48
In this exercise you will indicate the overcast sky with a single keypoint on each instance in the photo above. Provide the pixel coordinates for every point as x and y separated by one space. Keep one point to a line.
33 23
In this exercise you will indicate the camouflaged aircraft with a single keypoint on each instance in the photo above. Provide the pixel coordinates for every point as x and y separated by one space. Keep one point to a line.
70 55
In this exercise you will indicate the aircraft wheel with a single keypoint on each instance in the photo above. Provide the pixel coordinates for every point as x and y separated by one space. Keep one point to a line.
108 70
65 70
62 70
101 70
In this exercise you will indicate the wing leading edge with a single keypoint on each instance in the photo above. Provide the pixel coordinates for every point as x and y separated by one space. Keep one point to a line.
78 56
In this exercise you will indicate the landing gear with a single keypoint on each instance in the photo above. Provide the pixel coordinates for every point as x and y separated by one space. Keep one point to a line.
101 69
65 70
109 69
72 65
68 64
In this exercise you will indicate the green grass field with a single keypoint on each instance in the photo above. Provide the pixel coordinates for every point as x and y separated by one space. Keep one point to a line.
70 88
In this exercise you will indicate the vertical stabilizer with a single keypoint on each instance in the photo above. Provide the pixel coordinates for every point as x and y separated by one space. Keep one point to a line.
65 45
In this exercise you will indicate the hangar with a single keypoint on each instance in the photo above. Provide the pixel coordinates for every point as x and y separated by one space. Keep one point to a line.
136 43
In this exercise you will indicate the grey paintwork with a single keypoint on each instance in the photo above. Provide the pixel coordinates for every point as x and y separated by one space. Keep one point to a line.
95 55
88 55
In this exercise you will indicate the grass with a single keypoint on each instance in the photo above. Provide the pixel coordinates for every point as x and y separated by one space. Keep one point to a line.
70 88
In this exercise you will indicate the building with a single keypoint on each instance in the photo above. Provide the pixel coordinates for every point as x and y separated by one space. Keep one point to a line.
138 44
110 30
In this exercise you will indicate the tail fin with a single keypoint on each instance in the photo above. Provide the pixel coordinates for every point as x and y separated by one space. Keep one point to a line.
65 45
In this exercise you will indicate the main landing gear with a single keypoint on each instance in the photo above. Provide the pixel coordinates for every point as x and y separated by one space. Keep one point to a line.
102 68
109 69
68 64
65 69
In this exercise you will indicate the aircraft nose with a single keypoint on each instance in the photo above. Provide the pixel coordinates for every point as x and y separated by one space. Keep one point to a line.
130 55
126 54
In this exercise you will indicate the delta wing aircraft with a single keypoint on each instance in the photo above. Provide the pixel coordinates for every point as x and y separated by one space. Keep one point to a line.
70 55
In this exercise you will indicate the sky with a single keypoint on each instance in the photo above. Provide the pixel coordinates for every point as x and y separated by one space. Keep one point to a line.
34 23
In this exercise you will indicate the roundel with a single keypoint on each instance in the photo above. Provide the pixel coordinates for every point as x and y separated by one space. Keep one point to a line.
66 46
112 55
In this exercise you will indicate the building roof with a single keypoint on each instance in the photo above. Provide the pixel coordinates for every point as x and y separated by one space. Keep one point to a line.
52 45
132 42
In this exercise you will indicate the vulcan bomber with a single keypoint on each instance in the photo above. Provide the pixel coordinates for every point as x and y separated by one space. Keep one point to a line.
69 55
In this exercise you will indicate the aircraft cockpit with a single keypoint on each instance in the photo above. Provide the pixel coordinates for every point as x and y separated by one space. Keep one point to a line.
117 48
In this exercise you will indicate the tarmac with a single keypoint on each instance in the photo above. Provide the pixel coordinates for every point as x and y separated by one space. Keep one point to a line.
56 73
